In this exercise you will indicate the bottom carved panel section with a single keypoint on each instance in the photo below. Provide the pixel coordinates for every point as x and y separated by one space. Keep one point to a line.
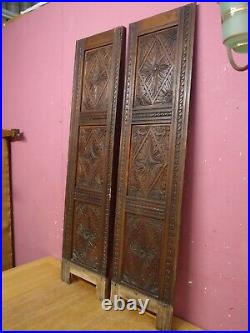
142 248
87 241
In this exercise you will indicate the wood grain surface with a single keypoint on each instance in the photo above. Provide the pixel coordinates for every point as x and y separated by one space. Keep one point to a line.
35 298
93 151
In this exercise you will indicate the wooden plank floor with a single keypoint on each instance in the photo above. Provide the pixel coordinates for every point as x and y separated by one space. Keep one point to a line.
34 298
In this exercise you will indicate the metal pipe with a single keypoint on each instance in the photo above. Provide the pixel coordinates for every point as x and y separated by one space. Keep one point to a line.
37 5
8 14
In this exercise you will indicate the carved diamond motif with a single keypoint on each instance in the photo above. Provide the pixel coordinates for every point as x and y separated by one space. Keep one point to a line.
96 77
155 68
91 157
148 162
87 235
142 248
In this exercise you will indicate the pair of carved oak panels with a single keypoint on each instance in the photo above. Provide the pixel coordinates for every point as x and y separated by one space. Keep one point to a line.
126 158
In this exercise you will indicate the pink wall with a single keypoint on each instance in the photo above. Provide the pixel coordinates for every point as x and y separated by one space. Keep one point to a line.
38 57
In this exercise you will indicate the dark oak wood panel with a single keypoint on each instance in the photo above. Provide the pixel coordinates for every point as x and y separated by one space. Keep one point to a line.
152 158
155 67
97 71
93 154
148 161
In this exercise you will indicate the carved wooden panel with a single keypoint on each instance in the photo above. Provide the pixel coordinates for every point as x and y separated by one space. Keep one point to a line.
155 67
91 157
96 78
93 145
152 154
87 235
142 250
149 161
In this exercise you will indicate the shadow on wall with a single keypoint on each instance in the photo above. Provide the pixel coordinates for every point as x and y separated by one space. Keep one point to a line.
182 295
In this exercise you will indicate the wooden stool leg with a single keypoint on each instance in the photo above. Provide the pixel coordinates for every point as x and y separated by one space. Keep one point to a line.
65 271
103 288
164 317
113 291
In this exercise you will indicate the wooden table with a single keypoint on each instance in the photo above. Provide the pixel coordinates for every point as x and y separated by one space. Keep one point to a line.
35 298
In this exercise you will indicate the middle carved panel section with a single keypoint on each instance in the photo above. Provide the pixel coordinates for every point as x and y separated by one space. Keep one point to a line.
149 161
91 157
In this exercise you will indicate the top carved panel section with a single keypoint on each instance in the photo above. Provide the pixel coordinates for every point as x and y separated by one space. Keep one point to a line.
155 68
96 79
